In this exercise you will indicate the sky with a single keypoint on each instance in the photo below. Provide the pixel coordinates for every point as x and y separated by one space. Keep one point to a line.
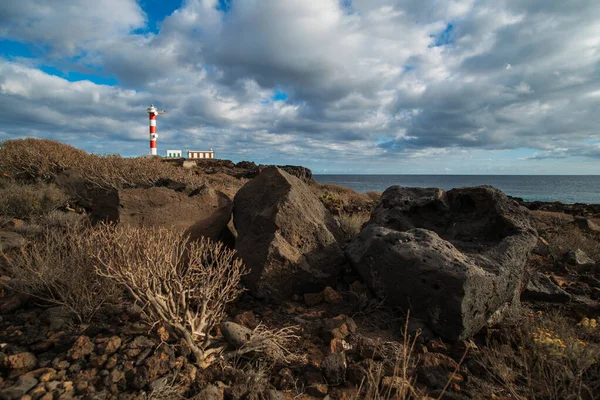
339 86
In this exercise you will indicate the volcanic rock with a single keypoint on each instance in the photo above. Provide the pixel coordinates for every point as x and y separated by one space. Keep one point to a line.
285 236
541 288
577 257
455 259
203 212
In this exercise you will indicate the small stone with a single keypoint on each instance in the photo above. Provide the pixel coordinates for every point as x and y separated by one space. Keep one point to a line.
247 319
331 296
435 369
81 387
47 376
577 257
23 385
359 288
60 364
57 317
8 305
313 299
210 392
20 361
337 345
235 334
286 379
75 368
357 374
52 385
542 288
37 392
116 375
140 359
111 345
111 362
317 390
159 383
98 360
82 347
275 395
141 342
334 368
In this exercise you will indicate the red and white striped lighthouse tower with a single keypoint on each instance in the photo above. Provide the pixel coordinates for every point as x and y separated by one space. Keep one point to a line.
152 113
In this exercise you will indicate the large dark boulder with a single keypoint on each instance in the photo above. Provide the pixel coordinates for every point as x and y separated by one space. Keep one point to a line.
203 212
286 237
455 259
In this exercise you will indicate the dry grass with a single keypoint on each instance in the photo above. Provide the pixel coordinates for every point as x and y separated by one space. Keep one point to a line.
548 219
184 285
351 223
573 238
33 160
29 201
396 381
58 268
562 235
545 357
338 198
118 172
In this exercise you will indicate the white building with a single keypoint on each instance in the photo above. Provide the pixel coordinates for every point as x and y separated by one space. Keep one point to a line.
174 153
201 154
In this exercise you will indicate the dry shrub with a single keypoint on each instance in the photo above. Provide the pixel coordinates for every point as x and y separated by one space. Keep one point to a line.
60 220
351 223
58 268
29 201
113 171
374 195
184 285
165 389
393 377
549 219
32 159
544 357
573 238
336 197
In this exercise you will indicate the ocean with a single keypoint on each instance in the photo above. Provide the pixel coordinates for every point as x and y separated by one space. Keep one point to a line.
565 188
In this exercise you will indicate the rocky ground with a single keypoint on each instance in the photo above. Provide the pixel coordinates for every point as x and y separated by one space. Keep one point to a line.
335 272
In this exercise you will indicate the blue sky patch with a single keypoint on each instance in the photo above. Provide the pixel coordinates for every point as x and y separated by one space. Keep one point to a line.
445 37
75 76
157 11
11 49
279 96
224 5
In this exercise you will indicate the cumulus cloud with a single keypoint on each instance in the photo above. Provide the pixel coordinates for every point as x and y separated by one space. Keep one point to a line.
69 26
384 79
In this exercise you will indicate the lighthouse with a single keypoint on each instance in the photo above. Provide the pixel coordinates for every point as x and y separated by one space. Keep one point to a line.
152 113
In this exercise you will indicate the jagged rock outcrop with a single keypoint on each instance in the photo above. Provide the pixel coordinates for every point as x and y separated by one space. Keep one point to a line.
243 169
286 237
455 259
202 212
